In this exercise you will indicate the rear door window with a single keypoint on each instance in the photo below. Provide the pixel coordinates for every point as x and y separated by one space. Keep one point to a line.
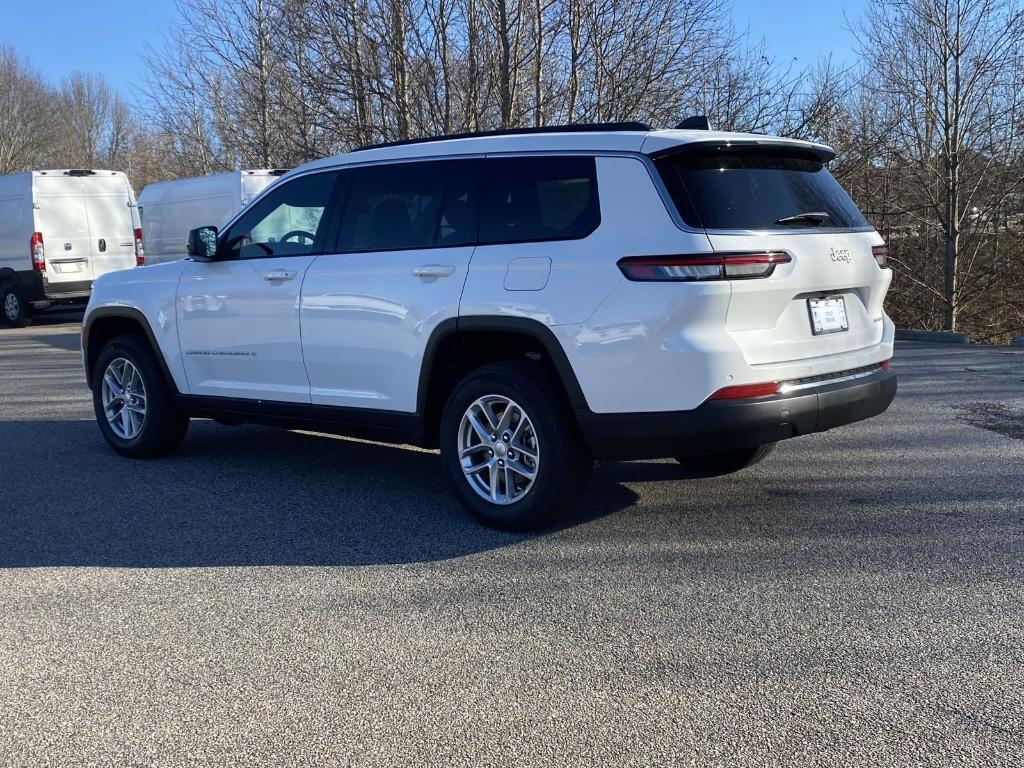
755 189
538 198
403 206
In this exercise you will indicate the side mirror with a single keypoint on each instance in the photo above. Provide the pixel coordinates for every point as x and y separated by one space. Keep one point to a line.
202 243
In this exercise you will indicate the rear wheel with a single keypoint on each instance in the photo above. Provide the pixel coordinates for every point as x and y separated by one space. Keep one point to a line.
16 312
726 462
134 405
510 450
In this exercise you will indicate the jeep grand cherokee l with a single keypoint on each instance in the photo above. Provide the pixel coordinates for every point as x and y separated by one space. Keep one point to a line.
529 302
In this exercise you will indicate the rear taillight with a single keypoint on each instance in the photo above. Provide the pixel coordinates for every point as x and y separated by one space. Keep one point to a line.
38 252
881 254
140 254
710 266
764 389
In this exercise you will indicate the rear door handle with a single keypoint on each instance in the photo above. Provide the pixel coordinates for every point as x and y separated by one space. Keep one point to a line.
433 270
279 275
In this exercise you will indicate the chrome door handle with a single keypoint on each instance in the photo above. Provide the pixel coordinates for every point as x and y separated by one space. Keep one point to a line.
278 275
433 270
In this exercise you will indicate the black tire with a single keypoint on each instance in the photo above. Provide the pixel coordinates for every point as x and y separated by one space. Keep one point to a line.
726 462
564 465
15 311
163 427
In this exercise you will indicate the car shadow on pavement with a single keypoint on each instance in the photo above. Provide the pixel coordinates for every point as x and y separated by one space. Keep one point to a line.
240 496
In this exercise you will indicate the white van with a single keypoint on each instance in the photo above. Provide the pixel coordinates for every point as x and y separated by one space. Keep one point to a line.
59 231
169 209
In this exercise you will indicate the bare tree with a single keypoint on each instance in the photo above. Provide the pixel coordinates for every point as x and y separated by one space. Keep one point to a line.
27 125
947 76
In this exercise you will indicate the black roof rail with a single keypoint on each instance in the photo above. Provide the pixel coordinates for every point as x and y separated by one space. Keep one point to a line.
695 123
574 128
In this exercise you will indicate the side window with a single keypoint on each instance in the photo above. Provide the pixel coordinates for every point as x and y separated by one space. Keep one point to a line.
289 221
538 198
410 205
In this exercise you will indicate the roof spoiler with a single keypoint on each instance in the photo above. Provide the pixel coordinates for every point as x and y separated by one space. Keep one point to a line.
695 123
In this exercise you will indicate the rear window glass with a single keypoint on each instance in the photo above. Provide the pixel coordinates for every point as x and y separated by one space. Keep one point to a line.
538 198
745 190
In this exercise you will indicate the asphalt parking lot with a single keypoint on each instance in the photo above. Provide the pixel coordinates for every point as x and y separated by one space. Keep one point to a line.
278 598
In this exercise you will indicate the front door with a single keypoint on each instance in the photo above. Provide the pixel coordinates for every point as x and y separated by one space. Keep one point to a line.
238 316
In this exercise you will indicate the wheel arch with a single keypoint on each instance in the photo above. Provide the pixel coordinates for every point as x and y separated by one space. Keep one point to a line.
106 323
459 345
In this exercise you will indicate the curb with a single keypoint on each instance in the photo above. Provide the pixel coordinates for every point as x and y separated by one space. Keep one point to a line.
938 337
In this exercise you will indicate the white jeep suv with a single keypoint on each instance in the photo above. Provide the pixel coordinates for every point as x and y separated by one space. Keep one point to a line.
527 301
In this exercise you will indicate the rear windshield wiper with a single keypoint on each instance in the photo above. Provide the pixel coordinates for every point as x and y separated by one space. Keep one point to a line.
810 217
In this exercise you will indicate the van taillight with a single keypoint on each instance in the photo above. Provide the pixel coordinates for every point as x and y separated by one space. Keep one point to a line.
881 254
38 252
140 254
703 266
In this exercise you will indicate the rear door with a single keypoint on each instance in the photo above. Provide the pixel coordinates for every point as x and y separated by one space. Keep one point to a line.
109 204
63 220
757 199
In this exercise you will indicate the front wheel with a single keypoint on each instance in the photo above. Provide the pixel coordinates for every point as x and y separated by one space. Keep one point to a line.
17 313
725 462
133 402
510 449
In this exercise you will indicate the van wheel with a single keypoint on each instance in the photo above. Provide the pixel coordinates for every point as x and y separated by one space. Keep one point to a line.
16 312
511 451
134 405
726 462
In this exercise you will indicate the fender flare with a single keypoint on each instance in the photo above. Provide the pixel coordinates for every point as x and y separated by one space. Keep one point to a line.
128 313
535 329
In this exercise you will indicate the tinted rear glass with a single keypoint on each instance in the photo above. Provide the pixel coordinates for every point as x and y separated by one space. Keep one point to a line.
747 190
538 198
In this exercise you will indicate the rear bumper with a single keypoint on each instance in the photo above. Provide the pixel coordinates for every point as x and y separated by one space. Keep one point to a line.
37 289
724 425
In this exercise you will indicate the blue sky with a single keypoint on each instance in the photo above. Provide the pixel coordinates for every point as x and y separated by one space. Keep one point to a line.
110 36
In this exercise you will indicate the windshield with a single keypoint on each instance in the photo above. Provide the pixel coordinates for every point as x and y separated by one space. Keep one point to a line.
745 189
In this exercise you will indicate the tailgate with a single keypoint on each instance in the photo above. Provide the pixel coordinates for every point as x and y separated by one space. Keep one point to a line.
770 319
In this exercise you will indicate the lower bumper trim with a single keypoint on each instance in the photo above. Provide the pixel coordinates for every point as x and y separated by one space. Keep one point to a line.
725 425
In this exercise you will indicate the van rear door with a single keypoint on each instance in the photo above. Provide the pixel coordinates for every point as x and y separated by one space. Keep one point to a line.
64 223
110 205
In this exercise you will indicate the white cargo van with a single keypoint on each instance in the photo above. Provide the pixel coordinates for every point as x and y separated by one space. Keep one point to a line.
59 231
169 209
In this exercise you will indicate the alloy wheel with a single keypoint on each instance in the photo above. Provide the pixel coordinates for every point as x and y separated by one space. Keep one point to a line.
498 449
124 398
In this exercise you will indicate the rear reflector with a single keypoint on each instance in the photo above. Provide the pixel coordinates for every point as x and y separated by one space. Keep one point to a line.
764 389
885 365
881 254
140 254
38 252
703 266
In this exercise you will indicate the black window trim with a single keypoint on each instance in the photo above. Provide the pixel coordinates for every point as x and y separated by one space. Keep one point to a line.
334 235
